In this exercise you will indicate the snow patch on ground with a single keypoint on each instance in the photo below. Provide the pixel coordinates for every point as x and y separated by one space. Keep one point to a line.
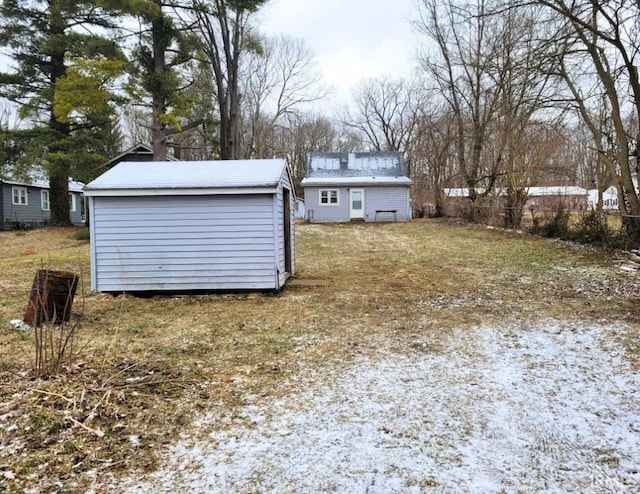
520 409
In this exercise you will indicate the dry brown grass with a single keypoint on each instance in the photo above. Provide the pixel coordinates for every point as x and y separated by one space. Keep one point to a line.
614 219
147 366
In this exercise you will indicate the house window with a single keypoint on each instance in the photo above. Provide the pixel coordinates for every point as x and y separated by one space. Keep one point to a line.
19 196
72 202
44 200
329 197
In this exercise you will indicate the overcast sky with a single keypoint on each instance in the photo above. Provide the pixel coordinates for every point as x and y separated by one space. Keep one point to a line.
351 38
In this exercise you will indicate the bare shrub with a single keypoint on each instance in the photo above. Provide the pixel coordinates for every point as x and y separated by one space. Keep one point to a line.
594 228
556 225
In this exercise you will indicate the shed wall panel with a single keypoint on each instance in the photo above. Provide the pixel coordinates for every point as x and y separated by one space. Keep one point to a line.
3 193
280 229
293 225
189 243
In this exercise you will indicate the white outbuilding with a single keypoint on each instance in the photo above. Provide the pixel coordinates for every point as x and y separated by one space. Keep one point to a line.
186 226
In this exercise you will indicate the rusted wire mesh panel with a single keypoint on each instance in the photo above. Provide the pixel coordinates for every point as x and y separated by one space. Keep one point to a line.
51 297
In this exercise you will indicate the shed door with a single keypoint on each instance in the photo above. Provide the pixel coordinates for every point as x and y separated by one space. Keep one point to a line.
286 199
356 209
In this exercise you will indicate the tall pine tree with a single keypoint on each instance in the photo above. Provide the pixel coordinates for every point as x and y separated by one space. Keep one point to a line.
61 65
160 59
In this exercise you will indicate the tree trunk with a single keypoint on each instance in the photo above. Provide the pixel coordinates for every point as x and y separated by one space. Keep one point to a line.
516 199
439 202
59 195
158 104
58 166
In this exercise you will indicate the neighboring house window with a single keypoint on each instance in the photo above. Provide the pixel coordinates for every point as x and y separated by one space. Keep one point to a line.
329 197
72 202
44 200
20 196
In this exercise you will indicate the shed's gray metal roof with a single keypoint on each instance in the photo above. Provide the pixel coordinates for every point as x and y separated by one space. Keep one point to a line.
343 165
182 175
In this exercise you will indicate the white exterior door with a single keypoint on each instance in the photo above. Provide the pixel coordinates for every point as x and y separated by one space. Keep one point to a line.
356 204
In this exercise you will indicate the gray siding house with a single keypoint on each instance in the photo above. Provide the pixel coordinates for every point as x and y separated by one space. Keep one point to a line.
340 187
26 203
192 226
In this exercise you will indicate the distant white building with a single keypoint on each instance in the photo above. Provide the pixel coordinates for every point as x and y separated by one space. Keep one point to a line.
567 196
459 191
570 197
609 198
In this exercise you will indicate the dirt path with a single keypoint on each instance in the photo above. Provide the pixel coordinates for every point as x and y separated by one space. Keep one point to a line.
546 408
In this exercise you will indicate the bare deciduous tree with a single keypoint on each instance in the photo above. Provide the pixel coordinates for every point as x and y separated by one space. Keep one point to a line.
527 125
462 67
302 135
431 153
279 82
385 111
608 33
224 28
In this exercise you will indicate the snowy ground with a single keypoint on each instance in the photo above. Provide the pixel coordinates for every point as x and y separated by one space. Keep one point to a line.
521 409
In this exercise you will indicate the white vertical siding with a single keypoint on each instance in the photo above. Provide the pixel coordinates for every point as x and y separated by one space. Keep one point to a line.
171 243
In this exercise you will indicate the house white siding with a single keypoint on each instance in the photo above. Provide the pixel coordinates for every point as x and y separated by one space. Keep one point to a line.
174 243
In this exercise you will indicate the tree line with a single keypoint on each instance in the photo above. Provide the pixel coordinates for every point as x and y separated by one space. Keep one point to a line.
505 94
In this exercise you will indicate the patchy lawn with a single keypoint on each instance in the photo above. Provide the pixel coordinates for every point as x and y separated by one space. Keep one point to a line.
409 306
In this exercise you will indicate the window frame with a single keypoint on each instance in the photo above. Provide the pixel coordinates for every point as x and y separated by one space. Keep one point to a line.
45 200
329 197
22 193
72 202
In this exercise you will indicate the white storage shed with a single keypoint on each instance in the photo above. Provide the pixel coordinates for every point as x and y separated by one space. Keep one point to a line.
192 226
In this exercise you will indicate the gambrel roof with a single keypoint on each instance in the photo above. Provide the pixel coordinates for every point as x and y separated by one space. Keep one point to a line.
374 168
